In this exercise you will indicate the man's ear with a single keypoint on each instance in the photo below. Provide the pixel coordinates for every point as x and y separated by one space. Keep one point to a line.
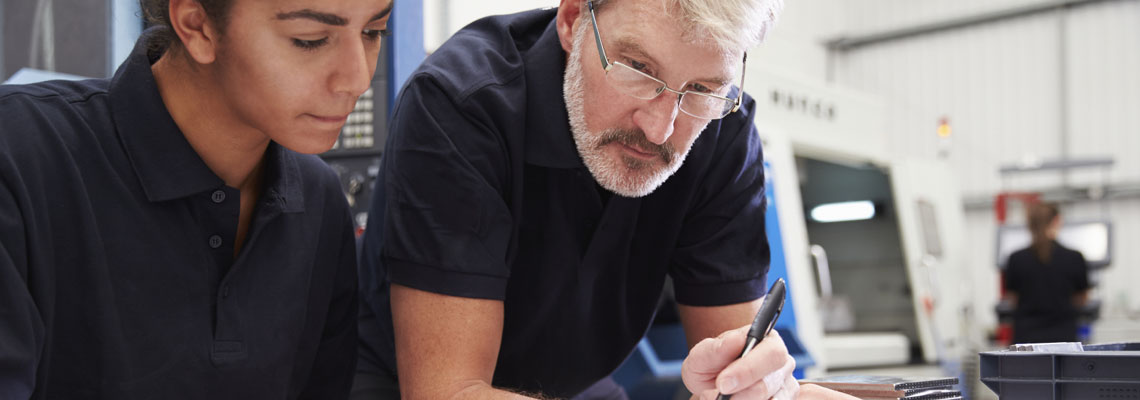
568 13
198 34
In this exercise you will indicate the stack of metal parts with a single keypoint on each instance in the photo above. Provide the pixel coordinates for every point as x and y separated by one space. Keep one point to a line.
893 388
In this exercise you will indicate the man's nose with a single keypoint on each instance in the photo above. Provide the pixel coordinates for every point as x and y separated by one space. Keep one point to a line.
656 117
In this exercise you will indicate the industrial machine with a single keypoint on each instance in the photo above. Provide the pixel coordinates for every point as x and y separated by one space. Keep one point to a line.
356 155
888 229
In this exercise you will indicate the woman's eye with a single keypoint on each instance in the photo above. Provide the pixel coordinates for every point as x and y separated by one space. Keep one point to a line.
310 44
373 34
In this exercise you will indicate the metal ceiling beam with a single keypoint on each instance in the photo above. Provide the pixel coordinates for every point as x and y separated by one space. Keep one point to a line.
853 42
1060 164
1114 191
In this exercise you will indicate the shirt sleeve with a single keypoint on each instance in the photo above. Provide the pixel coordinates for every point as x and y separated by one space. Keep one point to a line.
446 224
335 363
1080 273
722 254
21 328
1009 275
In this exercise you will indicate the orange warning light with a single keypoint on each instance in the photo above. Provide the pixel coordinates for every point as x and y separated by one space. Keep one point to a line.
944 128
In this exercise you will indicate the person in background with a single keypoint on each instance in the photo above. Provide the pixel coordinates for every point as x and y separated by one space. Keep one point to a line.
545 171
1046 282
167 233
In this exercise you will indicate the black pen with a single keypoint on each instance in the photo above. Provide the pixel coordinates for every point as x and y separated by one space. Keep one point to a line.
764 321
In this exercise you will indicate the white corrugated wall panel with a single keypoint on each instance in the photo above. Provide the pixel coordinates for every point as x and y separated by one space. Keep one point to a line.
997 84
1000 85
1104 87
883 15
793 46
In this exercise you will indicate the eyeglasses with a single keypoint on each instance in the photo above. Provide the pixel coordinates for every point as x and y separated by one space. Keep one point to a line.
643 86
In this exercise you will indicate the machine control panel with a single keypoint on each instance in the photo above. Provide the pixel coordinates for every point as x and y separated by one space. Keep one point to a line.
356 154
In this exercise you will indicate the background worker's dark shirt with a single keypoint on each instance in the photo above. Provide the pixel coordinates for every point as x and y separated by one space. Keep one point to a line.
118 278
1045 310
484 195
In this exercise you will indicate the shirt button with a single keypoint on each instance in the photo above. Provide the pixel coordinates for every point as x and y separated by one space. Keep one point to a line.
218 196
215 241
225 291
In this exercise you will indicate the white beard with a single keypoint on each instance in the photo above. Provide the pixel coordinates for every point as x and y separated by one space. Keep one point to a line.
626 176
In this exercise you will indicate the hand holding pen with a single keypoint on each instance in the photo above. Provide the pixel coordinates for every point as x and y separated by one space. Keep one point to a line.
748 363
765 319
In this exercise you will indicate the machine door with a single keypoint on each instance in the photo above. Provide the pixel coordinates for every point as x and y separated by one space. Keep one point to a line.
930 218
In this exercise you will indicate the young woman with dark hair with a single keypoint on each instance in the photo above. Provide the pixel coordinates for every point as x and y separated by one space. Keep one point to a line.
168 233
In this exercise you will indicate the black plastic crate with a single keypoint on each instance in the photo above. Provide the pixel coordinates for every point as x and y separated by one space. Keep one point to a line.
1108 371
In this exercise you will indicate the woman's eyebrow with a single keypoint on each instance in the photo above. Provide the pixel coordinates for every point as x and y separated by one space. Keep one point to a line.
327 18
324 18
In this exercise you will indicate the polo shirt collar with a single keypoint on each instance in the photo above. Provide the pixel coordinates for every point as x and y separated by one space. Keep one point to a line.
549 142
167 166
283 179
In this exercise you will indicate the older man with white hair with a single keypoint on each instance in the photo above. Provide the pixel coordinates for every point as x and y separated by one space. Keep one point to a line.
545 172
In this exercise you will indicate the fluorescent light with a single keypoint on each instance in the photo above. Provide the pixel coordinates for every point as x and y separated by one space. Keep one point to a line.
845 211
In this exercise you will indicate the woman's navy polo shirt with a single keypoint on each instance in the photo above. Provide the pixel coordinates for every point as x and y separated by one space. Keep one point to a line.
484 195
117 271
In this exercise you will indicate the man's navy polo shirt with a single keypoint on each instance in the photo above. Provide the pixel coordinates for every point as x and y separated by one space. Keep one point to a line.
484 195
117 271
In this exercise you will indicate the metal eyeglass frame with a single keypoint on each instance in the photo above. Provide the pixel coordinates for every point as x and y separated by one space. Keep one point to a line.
607 66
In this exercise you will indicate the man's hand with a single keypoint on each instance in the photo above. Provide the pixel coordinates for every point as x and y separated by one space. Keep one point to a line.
712 367
765 373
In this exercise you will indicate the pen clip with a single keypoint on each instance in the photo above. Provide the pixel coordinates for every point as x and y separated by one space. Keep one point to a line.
774 319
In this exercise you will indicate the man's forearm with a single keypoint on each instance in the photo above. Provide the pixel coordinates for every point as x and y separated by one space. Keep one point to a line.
483 391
